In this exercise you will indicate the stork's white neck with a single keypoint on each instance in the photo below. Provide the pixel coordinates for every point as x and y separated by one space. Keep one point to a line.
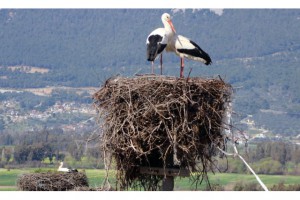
168 28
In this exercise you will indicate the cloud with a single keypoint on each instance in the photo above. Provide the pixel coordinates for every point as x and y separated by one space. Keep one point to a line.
217 11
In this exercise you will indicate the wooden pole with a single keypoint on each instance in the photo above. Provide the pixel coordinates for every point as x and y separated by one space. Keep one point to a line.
168 183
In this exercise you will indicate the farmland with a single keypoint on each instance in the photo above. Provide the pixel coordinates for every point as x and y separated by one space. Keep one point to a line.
8 179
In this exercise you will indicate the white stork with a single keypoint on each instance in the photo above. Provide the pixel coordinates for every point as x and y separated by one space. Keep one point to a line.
186 48
180 45
158 39
61 169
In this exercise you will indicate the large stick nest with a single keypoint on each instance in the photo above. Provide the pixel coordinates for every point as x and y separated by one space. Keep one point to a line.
49 181
166 122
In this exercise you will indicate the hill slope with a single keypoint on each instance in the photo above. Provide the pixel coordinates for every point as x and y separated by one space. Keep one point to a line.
256 50
103 37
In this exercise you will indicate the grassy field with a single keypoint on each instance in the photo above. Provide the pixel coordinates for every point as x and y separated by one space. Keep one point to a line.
8 179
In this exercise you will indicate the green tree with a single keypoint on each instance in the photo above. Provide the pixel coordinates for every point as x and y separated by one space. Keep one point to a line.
268 166
295 155
34 152
281 152
21 153
76 150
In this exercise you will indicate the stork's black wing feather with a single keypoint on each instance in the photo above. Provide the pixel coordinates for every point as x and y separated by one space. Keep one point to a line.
202 54
196 52
154 47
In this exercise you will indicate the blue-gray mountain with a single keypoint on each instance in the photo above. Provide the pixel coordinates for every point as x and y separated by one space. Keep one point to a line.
256 50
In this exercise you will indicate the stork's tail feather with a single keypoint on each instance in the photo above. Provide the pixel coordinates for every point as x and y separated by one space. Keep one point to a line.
208 61
205 56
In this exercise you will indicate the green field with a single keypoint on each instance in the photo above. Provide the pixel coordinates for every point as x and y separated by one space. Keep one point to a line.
8 179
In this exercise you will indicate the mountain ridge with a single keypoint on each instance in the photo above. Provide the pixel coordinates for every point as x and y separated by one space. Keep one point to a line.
255 49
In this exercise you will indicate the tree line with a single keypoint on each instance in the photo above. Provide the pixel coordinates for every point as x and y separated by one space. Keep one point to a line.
276 158
47 148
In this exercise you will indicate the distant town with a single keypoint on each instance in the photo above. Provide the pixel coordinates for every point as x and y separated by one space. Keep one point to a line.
12 115
257 134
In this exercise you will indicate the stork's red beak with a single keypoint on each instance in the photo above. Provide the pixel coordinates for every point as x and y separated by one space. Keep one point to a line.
172 27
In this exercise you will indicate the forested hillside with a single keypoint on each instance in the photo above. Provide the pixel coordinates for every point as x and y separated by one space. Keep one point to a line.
101 38
256 50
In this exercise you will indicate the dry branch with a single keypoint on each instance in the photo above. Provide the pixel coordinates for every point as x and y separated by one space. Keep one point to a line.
166 122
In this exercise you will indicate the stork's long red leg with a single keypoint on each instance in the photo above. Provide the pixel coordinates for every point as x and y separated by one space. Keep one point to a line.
181 67
161 64
152 70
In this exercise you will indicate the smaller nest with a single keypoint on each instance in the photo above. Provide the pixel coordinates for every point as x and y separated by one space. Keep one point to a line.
52 181
161 122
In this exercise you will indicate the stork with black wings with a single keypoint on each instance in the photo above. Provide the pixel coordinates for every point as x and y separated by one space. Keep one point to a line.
158 39
166 39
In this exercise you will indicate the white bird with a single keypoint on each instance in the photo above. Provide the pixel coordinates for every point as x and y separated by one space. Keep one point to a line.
182 46
186 48
61 169
158 39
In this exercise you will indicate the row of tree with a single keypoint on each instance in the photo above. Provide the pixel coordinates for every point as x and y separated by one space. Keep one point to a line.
36 147
34 152
277 157
266 158
282 152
